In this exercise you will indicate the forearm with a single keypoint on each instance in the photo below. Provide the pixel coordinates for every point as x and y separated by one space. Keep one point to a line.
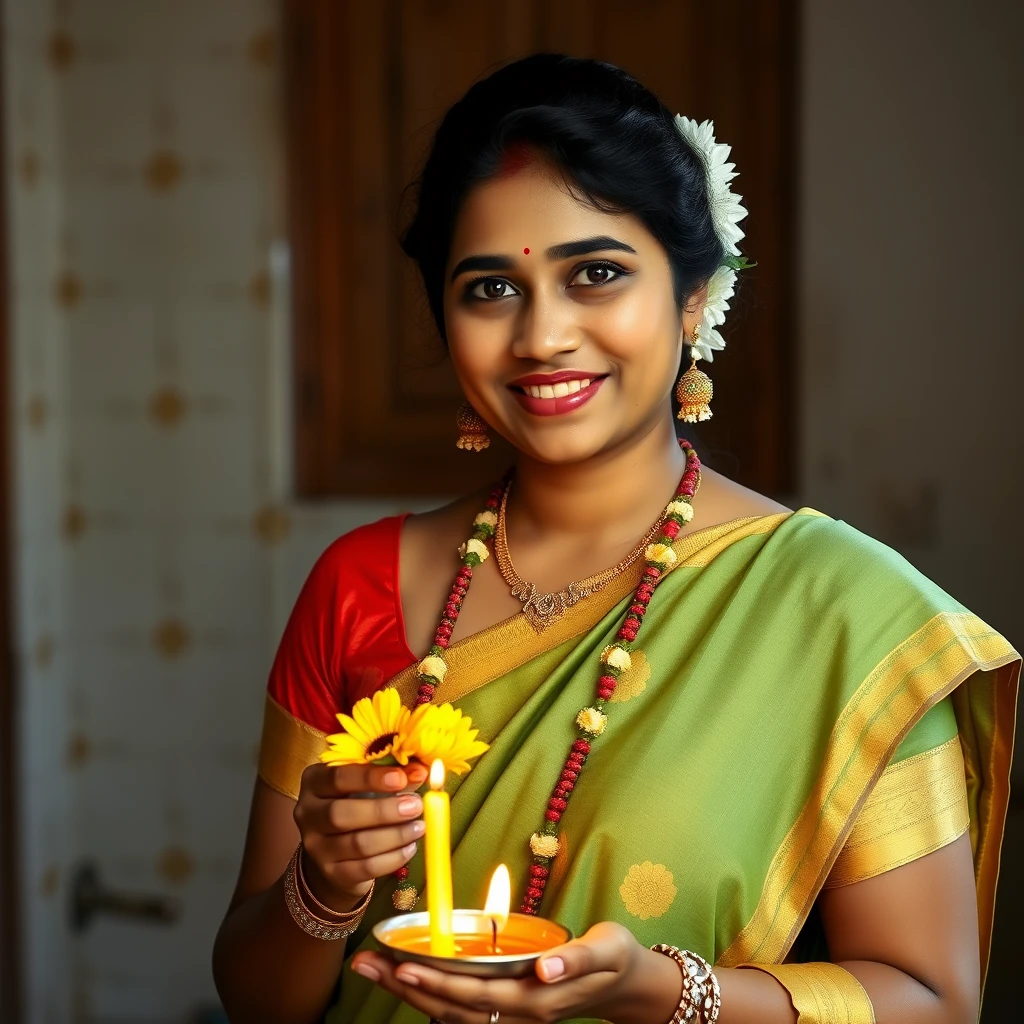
899 998
748 997
885 995
756 997
268 970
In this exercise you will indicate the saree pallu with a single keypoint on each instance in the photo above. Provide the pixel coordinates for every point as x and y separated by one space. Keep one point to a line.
785 662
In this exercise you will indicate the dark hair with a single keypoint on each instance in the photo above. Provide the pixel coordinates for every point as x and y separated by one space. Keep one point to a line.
613 139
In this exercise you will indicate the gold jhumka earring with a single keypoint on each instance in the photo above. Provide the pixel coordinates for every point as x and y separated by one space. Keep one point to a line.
694 390
473 436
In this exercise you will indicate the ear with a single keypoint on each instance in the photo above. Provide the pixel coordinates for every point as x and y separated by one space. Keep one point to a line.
693 312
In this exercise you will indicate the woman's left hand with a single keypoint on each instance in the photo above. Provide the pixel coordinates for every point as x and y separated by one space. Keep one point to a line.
593 976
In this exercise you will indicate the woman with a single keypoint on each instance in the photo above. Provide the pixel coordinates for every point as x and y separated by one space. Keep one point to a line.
799 773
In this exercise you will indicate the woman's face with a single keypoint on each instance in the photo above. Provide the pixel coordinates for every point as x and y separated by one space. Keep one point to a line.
561 319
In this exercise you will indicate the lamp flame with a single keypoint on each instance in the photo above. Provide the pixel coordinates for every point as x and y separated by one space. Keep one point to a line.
499 897
437 774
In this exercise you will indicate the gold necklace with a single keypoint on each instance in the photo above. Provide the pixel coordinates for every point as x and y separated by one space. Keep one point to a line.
542 610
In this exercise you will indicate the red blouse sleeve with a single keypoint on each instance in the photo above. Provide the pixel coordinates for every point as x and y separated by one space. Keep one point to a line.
344 638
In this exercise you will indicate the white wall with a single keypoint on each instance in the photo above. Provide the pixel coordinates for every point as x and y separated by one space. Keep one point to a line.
38 403
156 553
156 550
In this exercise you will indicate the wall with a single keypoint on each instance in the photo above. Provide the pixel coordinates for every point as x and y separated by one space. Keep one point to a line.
909 322
909 319
156 555
156 551
38 404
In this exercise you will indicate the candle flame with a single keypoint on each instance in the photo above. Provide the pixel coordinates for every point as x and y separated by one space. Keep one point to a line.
437 774
499 896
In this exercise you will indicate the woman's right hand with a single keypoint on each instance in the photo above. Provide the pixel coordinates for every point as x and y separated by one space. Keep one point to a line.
349 841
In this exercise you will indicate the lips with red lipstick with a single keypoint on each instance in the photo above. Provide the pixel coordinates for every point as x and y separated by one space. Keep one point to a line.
550 394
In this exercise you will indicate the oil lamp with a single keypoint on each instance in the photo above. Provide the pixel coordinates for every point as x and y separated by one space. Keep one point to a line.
488 943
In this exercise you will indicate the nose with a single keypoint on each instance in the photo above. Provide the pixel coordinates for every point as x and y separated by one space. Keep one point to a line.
545 329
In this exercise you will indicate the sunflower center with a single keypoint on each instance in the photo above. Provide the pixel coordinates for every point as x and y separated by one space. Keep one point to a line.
380 744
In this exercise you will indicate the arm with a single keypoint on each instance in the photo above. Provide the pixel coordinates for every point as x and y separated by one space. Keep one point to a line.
266 968
909 936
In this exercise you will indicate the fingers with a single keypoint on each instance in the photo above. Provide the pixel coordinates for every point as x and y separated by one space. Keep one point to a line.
372 842
314 815
345 875
350 840
337 816
326 782
454 999
590 967
607 947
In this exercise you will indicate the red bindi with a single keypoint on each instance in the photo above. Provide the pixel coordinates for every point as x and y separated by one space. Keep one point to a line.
526 252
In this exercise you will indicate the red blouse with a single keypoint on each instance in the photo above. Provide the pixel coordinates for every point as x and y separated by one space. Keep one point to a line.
346 635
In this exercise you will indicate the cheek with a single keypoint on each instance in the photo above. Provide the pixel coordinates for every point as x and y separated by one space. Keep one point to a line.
642 331
476 350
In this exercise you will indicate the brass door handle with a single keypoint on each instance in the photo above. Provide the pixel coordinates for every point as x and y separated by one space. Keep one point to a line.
89 897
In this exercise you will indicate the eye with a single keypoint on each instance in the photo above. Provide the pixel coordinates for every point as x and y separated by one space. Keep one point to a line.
490 289
595 274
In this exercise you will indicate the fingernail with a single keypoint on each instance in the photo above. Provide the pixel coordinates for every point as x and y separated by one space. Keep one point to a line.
409 850
367 971
409 806
552 968
419 827
406 978
394 779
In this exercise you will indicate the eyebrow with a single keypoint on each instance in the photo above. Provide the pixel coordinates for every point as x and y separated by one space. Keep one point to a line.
562 251
566 250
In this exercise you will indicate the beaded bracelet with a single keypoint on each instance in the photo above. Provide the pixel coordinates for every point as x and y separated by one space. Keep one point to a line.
702 998
330 931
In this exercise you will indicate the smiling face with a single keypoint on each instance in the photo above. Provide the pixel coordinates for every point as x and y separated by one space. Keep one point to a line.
570 349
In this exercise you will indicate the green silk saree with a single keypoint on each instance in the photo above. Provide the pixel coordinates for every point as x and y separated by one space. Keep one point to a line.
784 663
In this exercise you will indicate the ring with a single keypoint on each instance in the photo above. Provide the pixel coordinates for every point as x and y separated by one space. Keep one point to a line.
494 1017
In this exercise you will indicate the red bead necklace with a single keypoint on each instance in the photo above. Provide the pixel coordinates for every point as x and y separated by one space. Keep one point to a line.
591 721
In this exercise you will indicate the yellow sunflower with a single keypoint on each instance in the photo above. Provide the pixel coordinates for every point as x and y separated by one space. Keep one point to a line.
375 731
441 732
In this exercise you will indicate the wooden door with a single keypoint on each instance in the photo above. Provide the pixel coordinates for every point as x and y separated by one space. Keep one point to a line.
367 84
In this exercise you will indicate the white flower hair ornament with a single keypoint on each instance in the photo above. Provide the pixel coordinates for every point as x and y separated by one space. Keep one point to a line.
694 389
726 213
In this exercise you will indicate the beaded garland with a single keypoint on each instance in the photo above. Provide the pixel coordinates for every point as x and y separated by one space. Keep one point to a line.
431 670
591 721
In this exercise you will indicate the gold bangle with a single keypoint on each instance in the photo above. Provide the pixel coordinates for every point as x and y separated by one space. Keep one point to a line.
329 931
342 916
701 1000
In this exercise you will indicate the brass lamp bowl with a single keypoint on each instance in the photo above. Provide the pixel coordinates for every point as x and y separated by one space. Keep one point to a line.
406 938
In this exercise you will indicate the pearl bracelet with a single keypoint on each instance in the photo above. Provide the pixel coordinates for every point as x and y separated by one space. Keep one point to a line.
330 931
702 998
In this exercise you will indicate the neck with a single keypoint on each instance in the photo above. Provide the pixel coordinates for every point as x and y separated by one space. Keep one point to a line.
615 495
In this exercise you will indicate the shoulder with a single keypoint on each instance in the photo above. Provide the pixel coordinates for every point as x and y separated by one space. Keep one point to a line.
429 539
827 560
721 500
368 551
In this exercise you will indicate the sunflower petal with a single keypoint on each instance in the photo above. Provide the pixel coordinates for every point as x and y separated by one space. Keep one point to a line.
344 749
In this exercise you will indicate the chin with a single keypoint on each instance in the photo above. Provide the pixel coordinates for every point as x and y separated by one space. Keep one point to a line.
564 445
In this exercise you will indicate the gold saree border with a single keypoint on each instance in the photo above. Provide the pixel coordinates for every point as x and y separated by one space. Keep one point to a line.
288 747
918 806
822 993
485 656
912 678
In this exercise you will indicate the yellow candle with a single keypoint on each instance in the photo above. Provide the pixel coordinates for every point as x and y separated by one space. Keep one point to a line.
438 842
